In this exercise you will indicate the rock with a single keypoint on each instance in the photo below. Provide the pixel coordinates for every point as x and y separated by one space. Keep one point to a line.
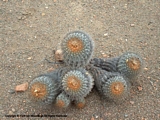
59 55
22 87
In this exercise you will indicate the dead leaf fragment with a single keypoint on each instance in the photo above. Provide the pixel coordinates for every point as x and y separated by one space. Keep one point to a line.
22 87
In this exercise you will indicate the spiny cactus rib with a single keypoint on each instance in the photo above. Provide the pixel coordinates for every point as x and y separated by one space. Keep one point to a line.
77 83
77 49
43 89
130 65
109 64
62 100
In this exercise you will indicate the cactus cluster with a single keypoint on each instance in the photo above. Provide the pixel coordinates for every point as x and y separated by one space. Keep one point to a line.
75 79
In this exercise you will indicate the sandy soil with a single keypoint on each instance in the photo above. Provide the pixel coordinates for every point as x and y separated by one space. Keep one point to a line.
31 29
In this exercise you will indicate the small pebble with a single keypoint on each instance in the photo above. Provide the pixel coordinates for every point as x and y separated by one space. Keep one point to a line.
11 91
132 25
125 115
29 58
139 88
132 102
43 14
96 116
59 55
106 34
13 110
145 69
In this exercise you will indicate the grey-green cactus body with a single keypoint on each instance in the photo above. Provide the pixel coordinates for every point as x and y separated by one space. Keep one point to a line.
80 103
62 100
44 89
77 83
115 88
77 49
130 65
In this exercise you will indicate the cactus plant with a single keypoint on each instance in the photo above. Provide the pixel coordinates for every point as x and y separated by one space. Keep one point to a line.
77 49
43 89
77 83
130 65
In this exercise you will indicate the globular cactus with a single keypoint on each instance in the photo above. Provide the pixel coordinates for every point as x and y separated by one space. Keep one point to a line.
62 100
80 103
111 85
107 64
77 83
43 89
97 73
77 49
130 65
115 88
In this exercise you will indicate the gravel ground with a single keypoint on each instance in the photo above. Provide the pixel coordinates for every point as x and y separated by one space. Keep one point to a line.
31 29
